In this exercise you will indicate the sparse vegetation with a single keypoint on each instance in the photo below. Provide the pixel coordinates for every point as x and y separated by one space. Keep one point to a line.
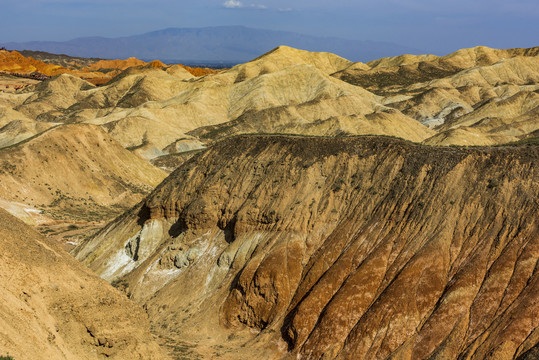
492 183
533 141
120 284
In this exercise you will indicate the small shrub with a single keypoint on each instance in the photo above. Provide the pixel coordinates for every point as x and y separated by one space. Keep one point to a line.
119 284
492 183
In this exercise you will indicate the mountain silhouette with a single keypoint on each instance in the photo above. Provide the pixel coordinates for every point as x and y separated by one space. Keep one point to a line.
232 44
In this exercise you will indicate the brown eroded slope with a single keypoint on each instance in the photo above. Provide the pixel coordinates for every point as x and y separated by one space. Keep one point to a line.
52 307
336 248
75 171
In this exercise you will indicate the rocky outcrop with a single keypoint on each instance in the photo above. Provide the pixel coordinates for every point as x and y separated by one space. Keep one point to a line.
337 248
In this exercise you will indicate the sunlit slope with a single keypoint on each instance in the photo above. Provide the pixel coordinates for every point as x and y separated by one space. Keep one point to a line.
52 307
75 170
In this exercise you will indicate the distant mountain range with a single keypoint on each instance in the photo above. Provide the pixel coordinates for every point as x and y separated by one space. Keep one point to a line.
229 44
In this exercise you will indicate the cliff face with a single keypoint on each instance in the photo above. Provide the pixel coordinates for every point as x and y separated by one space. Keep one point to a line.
336 248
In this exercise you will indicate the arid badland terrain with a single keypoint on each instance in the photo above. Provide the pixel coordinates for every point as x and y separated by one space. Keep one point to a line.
296 206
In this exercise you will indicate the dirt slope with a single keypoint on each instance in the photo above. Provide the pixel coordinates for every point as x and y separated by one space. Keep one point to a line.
335 248
51 307
75 171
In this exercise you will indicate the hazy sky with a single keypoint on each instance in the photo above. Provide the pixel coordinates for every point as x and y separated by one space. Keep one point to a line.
437 26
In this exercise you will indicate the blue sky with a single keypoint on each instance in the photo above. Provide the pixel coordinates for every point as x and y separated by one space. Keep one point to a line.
434 26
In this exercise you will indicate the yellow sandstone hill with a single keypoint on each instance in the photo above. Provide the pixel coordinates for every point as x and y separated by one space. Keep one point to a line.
285 56
286 90
16 127
452 93
75 171
476 96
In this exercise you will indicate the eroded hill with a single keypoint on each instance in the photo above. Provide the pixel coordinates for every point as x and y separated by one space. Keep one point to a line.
52 307
74 172
335 248
41 65
286 90
13 62
477 96
332 246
